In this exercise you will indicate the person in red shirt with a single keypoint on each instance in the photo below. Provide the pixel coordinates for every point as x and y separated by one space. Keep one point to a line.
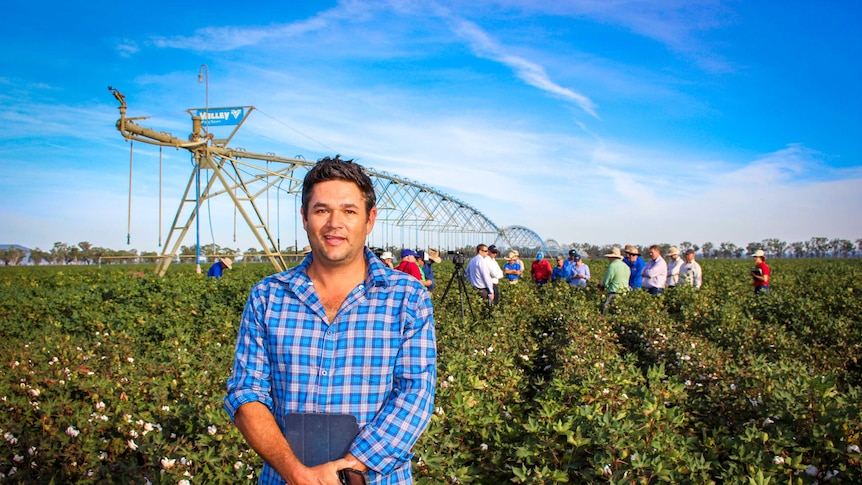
760 273
541 270
408 264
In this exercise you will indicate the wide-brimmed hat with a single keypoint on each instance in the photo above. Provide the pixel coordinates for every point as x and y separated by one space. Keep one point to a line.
759 254
386 255
512 255
631 249
227 262
408 252
516 253
673 251
434 255
306 250
615 253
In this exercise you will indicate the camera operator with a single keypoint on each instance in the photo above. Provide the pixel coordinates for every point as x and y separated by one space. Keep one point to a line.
478 274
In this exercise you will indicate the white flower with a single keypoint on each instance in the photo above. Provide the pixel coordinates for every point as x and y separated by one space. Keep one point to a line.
148 427
103 455
17 458
211 429
34 392
184 482
71 431
491 348
11 471
451 378
853 449
606 391
166 408
168 463
484 447
767 422
439 411
238 466
132 445
131 360
31 451
778 460
811 470
607 470
10 438
525 357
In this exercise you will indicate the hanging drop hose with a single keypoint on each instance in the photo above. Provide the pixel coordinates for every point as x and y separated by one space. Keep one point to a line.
129 218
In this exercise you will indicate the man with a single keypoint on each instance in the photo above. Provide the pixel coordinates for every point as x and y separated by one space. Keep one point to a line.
541 270
217 269
512 270
408 264
760 273
655 272
339 333
579 272
691 274
494 269
674 265
479 274
616 280
571 261
636 266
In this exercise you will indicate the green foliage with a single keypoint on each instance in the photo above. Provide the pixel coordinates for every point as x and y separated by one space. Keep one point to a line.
114 375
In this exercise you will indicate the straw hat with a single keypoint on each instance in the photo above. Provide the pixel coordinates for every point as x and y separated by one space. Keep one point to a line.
615 253
673 251
227 262
434 255
631 249
759 254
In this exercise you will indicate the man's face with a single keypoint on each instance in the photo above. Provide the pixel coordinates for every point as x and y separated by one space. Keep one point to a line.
336 222
689 257
654 254
632 256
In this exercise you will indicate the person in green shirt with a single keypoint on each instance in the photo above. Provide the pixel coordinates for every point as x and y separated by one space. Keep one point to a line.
616 278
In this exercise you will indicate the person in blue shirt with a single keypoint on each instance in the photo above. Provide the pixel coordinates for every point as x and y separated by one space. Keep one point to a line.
217 269
560 273
636 265
339 333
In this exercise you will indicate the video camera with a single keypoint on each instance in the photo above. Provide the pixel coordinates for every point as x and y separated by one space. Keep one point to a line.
457 258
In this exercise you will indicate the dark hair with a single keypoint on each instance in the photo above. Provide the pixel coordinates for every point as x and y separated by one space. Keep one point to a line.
328 169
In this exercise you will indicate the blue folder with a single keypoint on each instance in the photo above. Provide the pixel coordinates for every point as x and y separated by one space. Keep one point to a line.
317 438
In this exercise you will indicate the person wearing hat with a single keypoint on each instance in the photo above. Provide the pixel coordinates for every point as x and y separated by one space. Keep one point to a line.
218 267
636 266
655 272
494 269
579 272
760 273
541 270
691 274
616 278
520 262
408 264
512 269
386 257
425 260
674 265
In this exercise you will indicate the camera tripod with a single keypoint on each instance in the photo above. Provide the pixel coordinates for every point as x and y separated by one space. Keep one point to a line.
458 274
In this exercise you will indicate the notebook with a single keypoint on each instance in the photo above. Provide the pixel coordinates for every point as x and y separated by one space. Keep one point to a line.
318 438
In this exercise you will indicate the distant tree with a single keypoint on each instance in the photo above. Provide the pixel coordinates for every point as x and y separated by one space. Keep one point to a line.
737 251
859 244
798 249
707 249
37 256
752 247
12 255
775 247
841 247
685 246
86 251
59 252
819 246
727 249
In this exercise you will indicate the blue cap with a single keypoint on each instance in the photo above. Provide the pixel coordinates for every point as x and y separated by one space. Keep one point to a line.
540 256
408 252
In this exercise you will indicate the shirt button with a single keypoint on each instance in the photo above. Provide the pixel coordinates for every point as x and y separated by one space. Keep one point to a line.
323 372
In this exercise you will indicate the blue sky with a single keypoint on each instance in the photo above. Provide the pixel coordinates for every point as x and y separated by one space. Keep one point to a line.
603 121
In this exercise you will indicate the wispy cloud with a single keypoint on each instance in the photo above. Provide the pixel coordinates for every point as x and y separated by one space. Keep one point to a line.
529 72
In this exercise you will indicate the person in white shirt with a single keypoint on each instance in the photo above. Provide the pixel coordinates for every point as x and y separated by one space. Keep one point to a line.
655 272
674 263
478 274
495 270
691 274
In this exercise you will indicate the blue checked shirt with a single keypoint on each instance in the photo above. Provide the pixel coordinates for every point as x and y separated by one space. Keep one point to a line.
377 361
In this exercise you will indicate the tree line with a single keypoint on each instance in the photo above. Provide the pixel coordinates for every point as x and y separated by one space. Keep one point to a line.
85 253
